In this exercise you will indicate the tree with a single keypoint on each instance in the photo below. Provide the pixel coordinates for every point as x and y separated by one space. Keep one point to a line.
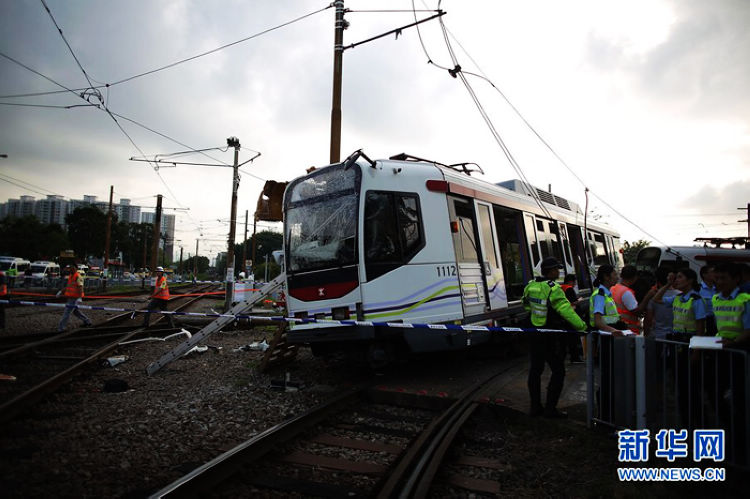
630 250
273 270
86 230
267 242
188 264
28 238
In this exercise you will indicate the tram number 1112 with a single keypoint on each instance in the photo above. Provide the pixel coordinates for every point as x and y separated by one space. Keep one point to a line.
446 270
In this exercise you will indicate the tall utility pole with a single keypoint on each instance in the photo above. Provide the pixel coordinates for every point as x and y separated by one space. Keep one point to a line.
105 272
180 267
232 142
157 234
253 265
244 248
145 243
195 260
338 61
747 243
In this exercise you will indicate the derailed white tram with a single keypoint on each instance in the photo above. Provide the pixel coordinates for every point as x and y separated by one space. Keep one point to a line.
409 240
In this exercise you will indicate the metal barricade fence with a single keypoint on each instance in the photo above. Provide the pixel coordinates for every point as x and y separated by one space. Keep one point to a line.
637 383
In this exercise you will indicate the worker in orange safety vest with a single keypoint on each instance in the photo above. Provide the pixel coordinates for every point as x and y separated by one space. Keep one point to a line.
159 297
73 291
624 297
3 296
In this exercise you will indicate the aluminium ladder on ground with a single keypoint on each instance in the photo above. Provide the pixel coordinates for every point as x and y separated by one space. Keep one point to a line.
220 322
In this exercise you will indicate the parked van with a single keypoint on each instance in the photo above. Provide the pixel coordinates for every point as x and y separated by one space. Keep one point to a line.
694 257
13 268
43 271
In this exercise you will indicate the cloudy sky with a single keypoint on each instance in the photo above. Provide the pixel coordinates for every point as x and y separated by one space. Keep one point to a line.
646 101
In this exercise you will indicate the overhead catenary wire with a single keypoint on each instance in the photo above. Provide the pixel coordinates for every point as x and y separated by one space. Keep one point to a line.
97 94
39 94
111 114
101 85
22 186
256 35
456 72
105 108
30 184
184 145
50 106
59 30
543 141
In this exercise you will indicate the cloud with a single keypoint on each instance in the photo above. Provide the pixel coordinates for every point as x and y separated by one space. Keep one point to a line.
724 199
700 68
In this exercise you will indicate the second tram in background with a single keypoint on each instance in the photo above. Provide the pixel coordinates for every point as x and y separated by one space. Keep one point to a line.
410 240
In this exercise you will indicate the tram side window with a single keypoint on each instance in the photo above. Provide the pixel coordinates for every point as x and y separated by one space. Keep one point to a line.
549 240
531 237
596 243
464 240
408 224
513 254
565 243
393 231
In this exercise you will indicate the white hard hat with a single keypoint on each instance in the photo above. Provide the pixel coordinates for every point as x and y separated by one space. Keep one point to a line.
160 269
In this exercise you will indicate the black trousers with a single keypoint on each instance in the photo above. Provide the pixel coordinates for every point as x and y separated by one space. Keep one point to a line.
157 304
546 348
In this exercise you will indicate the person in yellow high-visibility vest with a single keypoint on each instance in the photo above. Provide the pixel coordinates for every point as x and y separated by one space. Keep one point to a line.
731 307
159 297
549 308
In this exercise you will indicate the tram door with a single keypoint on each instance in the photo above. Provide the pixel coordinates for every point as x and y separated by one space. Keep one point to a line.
493 270
471 273
565 243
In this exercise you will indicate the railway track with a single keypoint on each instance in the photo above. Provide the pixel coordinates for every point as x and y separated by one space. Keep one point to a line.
365 442
11 345
45 361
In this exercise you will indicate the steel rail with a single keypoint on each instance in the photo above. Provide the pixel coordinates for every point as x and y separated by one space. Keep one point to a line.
11 408
200 480
17 404
415 471
59 336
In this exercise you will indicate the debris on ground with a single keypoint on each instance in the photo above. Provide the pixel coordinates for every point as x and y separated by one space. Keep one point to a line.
117 359
197 349
256 345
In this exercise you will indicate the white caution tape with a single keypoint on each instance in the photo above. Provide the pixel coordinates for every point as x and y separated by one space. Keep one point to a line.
402 325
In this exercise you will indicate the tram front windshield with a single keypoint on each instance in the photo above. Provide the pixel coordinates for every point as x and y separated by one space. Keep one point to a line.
321 220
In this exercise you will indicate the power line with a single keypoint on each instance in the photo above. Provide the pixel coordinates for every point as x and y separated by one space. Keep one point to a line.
28 183
103 108
456 72
551 149
22 186
2 54
38 94
96 93
59 30
107 85
256 35
45 105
